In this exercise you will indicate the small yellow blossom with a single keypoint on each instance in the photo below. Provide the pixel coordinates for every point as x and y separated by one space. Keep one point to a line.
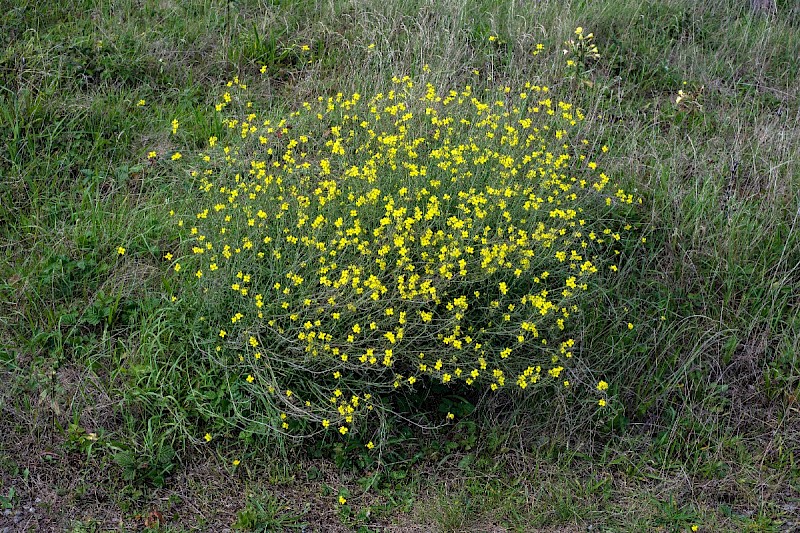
207 437
176 156
121 250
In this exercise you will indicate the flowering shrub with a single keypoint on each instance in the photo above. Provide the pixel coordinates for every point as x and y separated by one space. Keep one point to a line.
362 246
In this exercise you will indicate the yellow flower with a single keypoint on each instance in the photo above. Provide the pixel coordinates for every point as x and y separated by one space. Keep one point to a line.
236 462
176 156
208 437
370 445
342 500
121 250
152 155
602 386
601 402
250 378
140 103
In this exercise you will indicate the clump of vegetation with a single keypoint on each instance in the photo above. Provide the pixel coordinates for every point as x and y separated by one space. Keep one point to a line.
581 53
363 246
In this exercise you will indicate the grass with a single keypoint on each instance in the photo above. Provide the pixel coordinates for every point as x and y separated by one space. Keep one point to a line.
104 398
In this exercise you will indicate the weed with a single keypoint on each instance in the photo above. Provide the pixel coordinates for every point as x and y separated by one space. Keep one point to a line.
266 512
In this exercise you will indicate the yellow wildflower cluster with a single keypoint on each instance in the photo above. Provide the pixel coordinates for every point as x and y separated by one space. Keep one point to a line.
580 52
362 245
583 46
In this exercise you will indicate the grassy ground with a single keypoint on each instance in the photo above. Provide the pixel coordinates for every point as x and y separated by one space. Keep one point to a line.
99 395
